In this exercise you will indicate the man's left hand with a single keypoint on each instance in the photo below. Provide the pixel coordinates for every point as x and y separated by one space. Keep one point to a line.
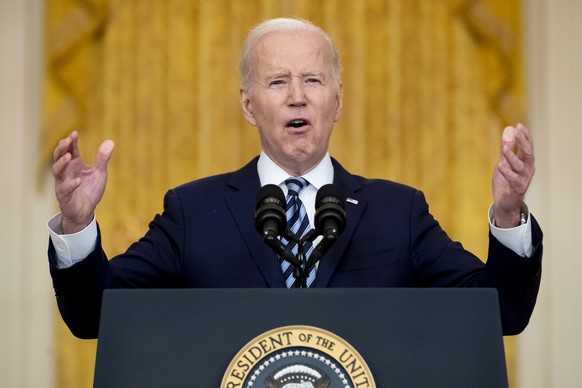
512 175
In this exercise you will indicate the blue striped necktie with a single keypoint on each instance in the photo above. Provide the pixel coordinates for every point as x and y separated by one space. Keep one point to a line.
298 224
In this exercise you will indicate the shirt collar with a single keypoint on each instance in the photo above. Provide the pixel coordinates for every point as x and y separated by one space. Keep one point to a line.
271 173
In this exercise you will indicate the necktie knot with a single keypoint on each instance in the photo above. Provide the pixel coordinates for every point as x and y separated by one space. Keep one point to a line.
295 185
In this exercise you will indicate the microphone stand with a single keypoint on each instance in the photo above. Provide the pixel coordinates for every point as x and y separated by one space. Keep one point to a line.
301 264
324 245
270 218
300 272
297 261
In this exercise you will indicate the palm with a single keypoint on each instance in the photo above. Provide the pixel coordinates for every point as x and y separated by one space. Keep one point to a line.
82 201
79 187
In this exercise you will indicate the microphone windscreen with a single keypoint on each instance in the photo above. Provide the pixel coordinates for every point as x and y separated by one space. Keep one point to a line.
329 193
272 192
330 214
270 216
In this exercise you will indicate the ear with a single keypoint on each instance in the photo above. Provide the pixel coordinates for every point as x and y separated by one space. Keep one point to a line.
247 107
340 102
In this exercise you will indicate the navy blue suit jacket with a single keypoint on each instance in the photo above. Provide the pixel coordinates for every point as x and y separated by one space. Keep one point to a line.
206 237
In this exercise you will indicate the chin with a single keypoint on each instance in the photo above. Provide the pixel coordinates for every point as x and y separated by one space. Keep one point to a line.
300 155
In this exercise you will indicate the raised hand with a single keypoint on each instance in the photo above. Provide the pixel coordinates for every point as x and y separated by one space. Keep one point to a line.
512 175
79 187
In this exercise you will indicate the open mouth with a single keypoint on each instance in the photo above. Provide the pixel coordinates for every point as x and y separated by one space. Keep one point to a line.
297 123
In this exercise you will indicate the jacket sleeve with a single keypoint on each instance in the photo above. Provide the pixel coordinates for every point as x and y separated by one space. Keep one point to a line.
517 280
79 290
440 262
152 262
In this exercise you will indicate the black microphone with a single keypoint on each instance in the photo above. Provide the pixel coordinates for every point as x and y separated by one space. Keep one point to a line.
270 218
330 214
271 221
330 220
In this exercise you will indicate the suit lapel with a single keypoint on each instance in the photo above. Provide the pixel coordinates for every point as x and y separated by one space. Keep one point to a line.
354 210
241 202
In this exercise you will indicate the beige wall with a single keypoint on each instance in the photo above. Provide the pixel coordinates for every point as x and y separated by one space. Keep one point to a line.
26 297
551 347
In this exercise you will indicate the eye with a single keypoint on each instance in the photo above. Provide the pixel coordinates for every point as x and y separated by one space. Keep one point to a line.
277 82
314 81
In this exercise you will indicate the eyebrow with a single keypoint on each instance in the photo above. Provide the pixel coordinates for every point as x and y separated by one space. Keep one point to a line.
287 74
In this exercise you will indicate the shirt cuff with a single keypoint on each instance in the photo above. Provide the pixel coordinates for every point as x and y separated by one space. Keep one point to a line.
72 248
518 239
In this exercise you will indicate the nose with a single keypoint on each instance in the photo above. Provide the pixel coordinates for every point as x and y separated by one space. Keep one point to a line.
296 92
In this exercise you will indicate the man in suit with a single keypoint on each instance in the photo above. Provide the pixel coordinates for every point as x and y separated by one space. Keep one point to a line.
206 237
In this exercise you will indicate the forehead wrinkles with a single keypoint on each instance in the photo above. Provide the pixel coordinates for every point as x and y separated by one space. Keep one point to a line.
291 54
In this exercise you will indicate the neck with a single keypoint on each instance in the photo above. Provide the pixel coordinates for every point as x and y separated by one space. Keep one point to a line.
297 167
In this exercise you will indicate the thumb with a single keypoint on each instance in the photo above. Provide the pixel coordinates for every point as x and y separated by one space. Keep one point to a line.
104 155
508 139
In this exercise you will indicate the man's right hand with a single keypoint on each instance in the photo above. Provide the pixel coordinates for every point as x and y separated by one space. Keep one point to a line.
79 187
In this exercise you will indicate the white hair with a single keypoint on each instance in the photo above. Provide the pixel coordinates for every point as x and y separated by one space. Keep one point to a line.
282 24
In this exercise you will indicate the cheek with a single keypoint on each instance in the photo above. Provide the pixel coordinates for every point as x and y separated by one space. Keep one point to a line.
271 137
325 137
265 113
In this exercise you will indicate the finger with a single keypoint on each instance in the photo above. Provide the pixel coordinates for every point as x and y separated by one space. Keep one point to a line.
515 171
516 184
507 139
64 146
75 144
61 164
513 160
517 148
61 149
104 155
65 188
523 129
524 142
504 167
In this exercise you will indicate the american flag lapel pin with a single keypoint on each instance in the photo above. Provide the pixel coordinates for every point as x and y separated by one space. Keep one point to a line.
351 200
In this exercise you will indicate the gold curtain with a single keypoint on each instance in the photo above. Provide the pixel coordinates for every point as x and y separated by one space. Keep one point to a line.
428 86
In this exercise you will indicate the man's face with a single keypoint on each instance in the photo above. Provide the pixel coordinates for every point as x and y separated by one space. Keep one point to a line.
293 100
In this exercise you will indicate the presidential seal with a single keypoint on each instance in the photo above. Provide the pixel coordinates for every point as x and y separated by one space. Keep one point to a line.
298 357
